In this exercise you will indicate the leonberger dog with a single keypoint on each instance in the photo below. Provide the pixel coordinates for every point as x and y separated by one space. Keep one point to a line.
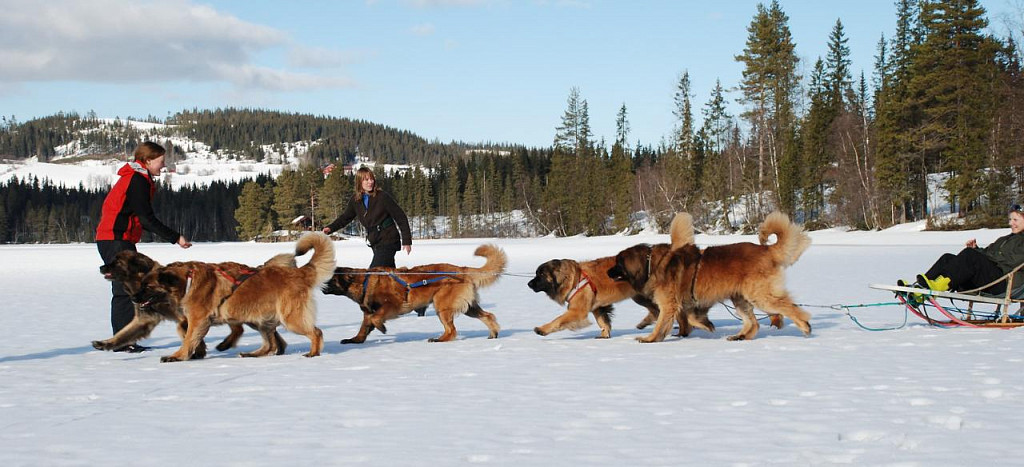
276 294
386 293
683 277
129 267
585 288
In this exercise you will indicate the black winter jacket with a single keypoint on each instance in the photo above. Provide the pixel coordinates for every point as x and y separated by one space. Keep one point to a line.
383 220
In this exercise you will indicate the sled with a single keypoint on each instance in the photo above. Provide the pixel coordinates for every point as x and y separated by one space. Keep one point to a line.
982 309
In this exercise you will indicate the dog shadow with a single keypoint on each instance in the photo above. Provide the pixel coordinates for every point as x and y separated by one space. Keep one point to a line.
46 354
81 350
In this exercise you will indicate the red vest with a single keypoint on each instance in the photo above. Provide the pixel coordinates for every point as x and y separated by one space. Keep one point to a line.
118 221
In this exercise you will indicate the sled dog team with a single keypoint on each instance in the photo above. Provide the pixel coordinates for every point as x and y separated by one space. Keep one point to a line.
678 277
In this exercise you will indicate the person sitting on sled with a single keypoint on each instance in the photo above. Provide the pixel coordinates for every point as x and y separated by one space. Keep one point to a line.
976 267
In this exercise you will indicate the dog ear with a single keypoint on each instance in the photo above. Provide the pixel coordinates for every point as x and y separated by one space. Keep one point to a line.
136 263
168 279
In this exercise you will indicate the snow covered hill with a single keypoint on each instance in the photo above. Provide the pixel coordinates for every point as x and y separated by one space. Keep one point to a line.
197 163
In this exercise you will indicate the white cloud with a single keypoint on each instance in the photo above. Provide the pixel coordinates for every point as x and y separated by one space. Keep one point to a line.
318 57
423 29
278 80
112 41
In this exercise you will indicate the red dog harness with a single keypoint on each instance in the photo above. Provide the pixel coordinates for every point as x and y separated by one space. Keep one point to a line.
584 281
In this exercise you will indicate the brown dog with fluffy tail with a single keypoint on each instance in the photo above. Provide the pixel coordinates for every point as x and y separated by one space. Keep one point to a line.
129 267
750 275
276 294
385 293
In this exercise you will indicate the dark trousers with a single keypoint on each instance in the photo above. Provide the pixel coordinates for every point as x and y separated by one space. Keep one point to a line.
122 310
384 255
968 270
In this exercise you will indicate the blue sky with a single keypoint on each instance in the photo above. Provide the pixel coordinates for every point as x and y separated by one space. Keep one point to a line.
467 70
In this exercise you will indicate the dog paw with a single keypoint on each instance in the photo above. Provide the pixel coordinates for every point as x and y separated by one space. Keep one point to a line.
101 345
737 337
169 358
539 332
223 346
351 341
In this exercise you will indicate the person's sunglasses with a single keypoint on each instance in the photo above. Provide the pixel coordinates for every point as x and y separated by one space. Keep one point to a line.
1016 207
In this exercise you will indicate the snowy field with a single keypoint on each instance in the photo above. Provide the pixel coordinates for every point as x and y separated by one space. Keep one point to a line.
914 396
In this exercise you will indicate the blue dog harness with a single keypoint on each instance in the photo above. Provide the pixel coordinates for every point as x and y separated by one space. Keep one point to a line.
410 285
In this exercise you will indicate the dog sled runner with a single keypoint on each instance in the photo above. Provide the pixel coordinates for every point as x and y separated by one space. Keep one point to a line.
969 308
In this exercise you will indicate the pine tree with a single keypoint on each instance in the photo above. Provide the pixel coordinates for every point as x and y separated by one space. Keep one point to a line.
620 175
289 197
837 62
3 221
334 196
253 212
684 117
574 132
815 138
900 169
952 78
769 85
717 123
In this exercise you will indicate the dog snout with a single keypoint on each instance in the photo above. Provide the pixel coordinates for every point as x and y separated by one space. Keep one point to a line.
533 284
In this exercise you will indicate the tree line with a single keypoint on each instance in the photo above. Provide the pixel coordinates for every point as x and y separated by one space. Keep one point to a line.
34 211
944 99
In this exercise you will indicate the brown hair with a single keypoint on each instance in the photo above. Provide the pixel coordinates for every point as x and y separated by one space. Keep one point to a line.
148 151
363 173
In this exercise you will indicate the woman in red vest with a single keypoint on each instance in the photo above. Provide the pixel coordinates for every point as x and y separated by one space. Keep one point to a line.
128 209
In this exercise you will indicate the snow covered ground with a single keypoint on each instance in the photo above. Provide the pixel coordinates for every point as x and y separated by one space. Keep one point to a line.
914 396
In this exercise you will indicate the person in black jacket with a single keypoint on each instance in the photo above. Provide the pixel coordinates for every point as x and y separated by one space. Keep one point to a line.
387 227
976 267
127 210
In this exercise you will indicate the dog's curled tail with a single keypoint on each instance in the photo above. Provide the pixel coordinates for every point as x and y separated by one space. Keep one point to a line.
322 263
681 231
791 241
493 268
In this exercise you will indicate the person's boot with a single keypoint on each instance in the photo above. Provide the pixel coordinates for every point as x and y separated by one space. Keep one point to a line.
939 284
913 299
132 348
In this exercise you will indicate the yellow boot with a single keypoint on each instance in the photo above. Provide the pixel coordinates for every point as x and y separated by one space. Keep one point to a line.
939 284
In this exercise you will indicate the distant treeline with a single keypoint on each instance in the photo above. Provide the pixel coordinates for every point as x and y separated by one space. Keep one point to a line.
239 132
37 212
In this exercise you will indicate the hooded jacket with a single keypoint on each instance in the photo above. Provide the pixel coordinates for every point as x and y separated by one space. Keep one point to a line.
128 208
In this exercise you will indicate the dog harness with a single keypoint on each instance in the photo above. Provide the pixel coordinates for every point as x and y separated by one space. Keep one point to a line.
236 282
584 281
693 281
412 285
408 285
